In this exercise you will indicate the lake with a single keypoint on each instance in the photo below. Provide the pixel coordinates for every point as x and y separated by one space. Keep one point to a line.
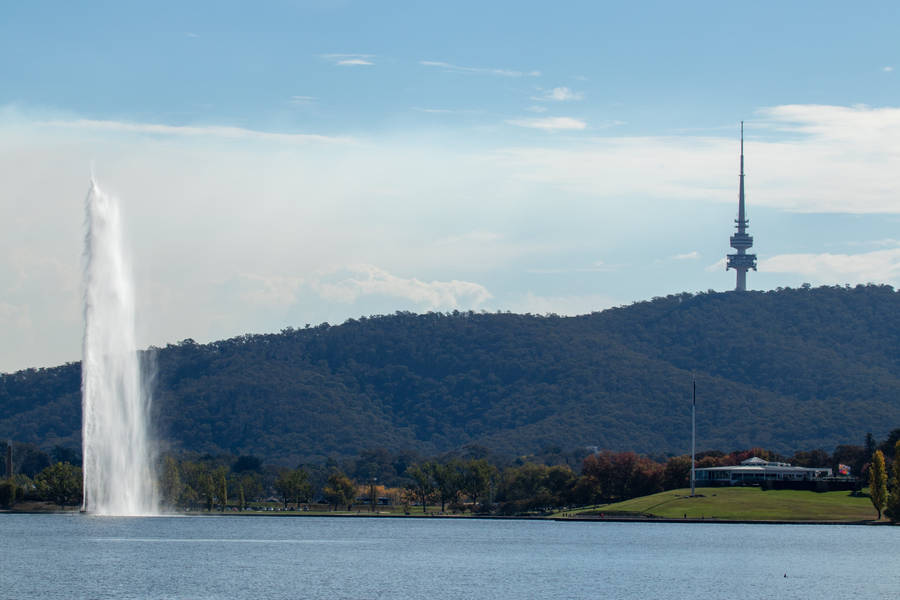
78 556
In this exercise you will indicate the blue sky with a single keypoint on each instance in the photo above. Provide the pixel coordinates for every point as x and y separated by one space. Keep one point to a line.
300 162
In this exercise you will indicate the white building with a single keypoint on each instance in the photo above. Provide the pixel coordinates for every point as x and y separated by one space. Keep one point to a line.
757 470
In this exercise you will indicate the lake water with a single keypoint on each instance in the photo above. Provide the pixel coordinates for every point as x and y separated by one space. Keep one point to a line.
77 556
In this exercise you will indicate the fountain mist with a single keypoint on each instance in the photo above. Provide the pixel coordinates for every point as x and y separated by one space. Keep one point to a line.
118 478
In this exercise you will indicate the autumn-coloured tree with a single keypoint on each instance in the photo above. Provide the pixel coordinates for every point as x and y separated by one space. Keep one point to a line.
340 490
622 475
878 482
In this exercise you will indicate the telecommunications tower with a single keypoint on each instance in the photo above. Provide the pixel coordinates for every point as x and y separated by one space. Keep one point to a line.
741 241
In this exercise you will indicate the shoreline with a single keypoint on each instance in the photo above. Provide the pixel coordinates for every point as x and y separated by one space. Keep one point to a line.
573 519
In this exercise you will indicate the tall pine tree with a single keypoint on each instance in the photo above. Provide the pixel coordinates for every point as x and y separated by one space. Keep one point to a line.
893 501
878 482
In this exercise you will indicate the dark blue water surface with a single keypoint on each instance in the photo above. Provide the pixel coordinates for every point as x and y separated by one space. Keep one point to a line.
77 556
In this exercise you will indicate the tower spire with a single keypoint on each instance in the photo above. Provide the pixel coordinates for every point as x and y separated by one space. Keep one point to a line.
741 241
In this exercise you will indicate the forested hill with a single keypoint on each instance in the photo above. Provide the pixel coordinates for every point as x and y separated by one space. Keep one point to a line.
792 369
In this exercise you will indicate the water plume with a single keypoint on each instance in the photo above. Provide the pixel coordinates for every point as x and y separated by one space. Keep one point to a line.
118 477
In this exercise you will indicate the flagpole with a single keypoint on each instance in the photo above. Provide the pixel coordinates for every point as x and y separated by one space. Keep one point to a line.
693 429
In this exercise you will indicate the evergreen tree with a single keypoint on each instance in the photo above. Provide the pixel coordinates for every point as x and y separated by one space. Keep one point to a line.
878 482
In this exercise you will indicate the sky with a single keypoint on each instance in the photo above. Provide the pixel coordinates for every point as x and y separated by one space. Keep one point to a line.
288 163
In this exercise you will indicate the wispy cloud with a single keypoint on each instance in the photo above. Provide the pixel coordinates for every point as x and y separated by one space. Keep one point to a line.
887 69
883 243
686 256
486 70
350 60
802 158
878 266
191 34
219 131
550 123
719 265
302 100
598 267
268 291
433 111
537 109
472 237
559 94
366 280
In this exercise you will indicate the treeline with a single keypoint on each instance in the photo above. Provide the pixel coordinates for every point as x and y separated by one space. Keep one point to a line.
471 480
785 369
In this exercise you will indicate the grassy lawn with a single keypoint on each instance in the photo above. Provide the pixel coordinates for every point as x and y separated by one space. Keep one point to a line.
749 503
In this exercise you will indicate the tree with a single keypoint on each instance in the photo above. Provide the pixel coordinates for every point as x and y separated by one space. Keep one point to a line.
252 486
293 485
525 488
8 493
170 486
677 473
878 482
447 480
890 443
422 486
893 502
208 490
477 476
870 444
220 486
339 490
61 483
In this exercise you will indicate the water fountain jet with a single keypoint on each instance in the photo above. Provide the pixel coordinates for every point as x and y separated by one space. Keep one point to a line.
118 476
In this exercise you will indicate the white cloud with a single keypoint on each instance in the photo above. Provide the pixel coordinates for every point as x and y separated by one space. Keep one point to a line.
597 267
434 111
489 71
686 256
808 158
550 123
268 291
350 60
302 100
719 265
878 266
887 69
220 131
473 237
560 94
365 280
537 109
204 213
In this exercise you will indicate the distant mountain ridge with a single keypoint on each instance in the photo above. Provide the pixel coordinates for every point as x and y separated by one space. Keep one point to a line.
791 369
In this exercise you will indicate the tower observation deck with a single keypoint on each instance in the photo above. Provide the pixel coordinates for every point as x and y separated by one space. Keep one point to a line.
741 241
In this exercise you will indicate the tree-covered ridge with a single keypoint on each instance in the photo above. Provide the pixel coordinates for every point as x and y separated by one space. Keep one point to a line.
788 369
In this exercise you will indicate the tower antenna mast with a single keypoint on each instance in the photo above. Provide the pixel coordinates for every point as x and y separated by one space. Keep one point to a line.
741 241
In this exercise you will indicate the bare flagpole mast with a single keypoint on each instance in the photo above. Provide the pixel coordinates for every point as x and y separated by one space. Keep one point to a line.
693 429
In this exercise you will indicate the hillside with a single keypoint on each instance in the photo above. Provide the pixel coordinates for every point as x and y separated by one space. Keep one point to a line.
787 369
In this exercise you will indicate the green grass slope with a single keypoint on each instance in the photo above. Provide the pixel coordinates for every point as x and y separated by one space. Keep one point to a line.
750 503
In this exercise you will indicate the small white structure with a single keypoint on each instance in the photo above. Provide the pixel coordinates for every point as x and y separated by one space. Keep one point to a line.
757 470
